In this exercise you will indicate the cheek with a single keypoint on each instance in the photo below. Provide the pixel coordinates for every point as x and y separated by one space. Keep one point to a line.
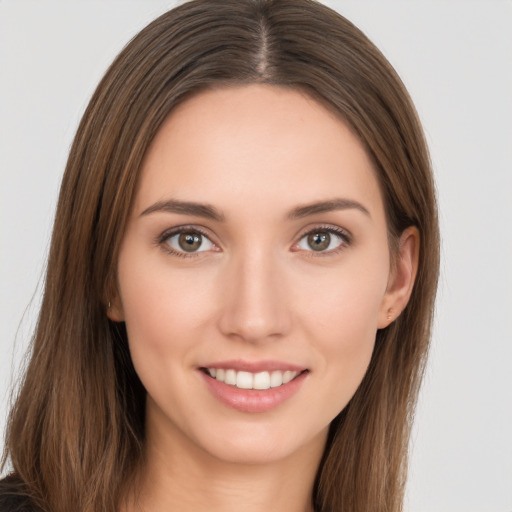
163 310
343 326
165 315
349 328
347 302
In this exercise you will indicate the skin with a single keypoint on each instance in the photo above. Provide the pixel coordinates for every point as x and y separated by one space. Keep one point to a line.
255 291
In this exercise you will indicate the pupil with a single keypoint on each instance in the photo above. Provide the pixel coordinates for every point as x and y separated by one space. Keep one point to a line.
319 241
189 242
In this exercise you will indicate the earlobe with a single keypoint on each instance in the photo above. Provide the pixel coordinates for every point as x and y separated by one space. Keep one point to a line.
114 306
115 310
402 277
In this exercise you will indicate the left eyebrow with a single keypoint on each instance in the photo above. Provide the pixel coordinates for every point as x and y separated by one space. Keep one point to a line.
326 206
185 208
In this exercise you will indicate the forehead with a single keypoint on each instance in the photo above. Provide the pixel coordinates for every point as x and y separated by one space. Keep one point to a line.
256 144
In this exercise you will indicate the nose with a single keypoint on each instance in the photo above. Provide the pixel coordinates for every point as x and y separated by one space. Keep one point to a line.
254 300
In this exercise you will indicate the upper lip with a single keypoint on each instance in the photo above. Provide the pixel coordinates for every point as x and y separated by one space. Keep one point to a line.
255 366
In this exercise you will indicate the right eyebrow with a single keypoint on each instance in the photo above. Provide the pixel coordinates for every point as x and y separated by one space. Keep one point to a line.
327 206
185 208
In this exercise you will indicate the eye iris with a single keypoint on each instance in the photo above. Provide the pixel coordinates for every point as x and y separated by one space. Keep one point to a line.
189 242
319 241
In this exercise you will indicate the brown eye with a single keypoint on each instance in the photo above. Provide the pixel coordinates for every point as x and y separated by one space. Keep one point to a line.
324 240
319 241
189 242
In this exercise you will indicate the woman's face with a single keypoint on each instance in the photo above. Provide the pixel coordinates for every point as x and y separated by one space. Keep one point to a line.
256 253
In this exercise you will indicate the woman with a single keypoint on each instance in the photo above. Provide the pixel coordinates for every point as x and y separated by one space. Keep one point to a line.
241 278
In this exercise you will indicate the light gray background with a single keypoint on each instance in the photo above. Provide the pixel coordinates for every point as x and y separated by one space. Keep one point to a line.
456 59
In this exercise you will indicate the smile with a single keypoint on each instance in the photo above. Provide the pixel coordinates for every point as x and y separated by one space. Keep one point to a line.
249 380
253 386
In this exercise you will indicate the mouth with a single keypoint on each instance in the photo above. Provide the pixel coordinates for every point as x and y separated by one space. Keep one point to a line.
253 386
252 380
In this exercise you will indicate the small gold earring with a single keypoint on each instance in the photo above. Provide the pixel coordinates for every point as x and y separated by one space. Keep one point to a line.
389 315
108 305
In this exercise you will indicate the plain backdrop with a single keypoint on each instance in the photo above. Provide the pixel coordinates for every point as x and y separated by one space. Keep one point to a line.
456 59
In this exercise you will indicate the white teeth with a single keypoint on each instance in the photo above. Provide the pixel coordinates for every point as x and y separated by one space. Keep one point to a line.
248 380
288 376
230 377
244 380
261 380
276 379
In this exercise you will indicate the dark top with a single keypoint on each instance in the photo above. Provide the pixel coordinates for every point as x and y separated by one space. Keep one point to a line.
12 496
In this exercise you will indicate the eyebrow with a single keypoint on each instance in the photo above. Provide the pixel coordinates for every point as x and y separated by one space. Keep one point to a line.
185 208
326 206
210 212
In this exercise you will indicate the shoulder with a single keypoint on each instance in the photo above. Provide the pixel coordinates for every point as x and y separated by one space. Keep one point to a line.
12 497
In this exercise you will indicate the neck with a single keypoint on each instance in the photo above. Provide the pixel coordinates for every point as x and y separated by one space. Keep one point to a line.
181 476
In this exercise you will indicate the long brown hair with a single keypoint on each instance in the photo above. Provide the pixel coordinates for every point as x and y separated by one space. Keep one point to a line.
76 432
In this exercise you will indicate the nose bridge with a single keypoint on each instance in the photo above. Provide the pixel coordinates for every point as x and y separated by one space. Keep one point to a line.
254 305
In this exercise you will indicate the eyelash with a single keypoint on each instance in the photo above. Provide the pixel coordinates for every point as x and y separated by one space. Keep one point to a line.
345 236
166 235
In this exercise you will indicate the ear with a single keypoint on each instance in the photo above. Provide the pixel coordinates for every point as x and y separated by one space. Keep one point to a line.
402 277
115 309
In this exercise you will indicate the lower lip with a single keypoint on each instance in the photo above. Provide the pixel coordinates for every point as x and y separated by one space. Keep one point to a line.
253 400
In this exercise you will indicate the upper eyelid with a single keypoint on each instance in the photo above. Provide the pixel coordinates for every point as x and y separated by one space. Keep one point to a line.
184 228
332 228
161 240
343 234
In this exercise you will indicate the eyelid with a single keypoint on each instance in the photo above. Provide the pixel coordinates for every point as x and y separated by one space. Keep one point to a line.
342 233
176 230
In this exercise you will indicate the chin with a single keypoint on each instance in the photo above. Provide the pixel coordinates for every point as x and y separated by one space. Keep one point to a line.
263 444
